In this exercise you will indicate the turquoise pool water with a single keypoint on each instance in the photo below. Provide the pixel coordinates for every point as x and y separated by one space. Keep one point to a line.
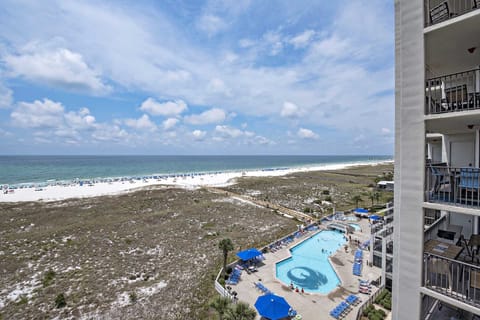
308 267
355 226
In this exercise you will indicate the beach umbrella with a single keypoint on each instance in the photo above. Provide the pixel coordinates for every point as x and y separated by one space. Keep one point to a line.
272 307
248 254
375 217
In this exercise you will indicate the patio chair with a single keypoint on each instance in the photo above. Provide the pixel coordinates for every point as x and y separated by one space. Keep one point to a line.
469 185
441 188
457 97
440 13
439 276
474 285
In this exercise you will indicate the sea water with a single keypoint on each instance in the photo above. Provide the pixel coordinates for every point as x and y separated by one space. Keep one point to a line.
39 169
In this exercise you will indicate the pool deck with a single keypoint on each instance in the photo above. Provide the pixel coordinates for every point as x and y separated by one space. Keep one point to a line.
311 306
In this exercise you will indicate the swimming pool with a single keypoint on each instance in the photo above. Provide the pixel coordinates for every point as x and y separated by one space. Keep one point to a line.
308 267
355 226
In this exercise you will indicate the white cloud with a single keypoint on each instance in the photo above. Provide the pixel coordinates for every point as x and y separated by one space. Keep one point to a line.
6 97
211 24
110 133
53 124
59 68
214 115
199 135
142 123
228 132
246 43
290 110
332 47
169 108
303 39
386 131
38 114
306 134
80 120
170 123
218 86
275 42
263 141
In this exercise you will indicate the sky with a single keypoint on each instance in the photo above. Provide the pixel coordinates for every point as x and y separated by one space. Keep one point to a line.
197 77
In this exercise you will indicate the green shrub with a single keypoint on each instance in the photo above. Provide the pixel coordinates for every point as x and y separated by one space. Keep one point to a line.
133 297
387 304
23 300
48 278
328 198
368 310
326 192
60 301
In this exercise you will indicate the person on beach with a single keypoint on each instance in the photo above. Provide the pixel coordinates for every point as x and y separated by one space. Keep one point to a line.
296 289
303 291
291 285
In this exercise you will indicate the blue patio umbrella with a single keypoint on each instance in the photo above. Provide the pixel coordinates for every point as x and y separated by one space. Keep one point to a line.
375 217
360 210
248 254
272 307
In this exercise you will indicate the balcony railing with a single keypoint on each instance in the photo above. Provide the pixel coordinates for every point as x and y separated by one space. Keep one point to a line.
452 278
454 92
437 11
454 186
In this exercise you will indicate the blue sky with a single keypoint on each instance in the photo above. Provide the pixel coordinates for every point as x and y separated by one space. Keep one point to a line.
196 77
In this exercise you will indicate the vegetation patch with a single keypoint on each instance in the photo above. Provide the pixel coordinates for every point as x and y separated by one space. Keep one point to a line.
48 278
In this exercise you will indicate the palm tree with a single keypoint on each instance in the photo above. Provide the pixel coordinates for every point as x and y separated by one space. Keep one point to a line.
371 196
241 311
356 198
221 305
376 195
225 245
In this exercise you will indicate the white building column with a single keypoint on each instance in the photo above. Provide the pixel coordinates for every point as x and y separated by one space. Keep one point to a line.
384 260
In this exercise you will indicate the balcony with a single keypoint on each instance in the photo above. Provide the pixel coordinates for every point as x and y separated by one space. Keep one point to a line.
437 11
453 93
452 278
453 186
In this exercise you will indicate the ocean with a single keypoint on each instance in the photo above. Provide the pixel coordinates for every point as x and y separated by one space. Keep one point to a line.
39 169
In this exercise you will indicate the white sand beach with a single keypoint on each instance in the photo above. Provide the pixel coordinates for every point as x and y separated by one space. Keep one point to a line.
218 179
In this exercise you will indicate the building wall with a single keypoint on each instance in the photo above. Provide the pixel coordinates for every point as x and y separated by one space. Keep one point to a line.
409 158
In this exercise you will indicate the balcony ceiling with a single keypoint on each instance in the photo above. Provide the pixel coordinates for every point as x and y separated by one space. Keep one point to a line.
453 123
446 45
